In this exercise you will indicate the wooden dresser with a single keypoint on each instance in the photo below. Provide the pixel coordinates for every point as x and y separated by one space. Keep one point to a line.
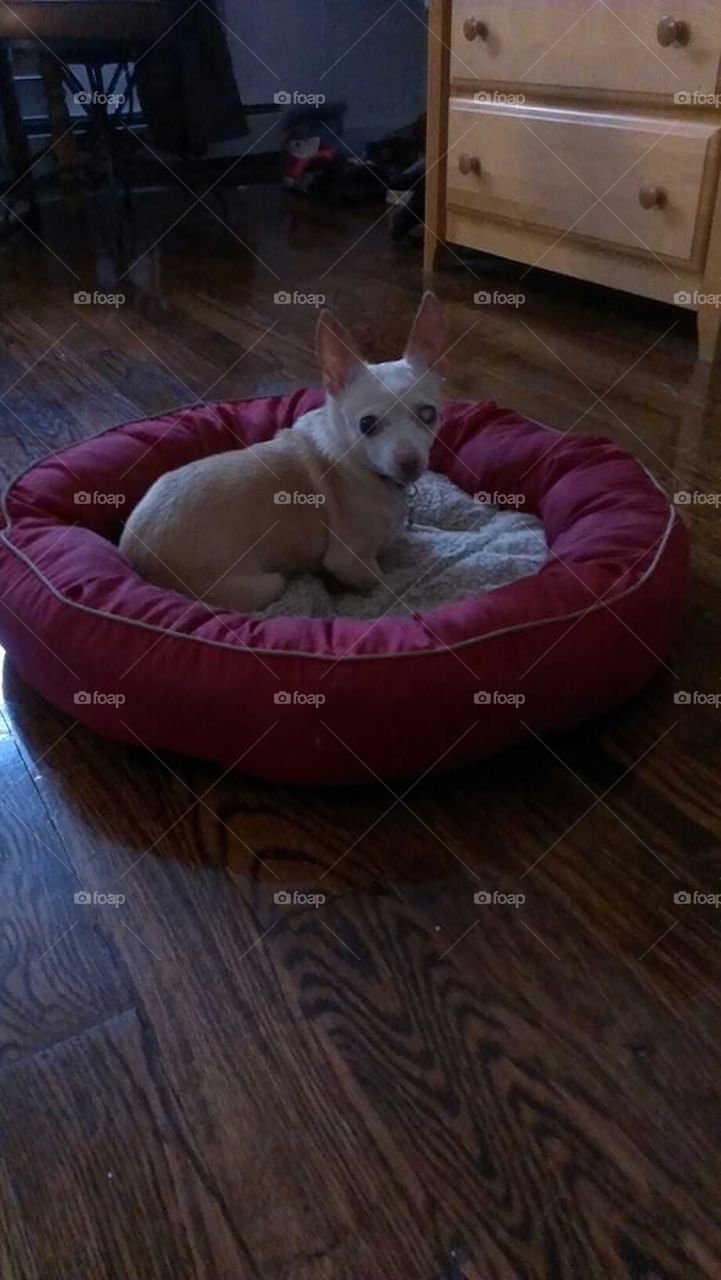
582 136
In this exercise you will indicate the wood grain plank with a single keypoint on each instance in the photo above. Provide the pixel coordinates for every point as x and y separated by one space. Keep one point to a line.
122 1154
59 971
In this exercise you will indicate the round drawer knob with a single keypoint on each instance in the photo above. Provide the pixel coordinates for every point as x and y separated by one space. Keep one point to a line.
650 197
469 164
672 31
475 29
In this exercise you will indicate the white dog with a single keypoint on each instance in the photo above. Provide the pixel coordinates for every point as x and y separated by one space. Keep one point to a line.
329 494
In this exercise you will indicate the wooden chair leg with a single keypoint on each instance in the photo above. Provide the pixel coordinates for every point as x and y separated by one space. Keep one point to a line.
65 149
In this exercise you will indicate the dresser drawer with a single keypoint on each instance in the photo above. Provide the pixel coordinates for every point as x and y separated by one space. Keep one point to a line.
612 44
546 167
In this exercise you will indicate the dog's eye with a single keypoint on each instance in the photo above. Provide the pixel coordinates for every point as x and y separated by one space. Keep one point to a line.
427 413
368 423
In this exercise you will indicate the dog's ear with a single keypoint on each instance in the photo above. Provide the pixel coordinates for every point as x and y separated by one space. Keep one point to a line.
427 340
339 358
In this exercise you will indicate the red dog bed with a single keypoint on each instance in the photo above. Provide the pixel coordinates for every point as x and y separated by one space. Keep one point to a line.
317 700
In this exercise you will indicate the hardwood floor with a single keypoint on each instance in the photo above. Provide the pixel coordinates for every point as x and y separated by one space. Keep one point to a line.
398 1085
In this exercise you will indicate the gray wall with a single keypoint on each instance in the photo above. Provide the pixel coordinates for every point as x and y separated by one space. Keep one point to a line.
381 77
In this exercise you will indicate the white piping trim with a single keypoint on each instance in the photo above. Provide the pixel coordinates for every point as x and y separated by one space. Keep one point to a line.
302 653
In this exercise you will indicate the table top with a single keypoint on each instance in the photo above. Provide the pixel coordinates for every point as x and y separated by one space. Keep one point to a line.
124 20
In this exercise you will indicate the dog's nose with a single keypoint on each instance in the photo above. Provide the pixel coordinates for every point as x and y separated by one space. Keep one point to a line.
408 466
